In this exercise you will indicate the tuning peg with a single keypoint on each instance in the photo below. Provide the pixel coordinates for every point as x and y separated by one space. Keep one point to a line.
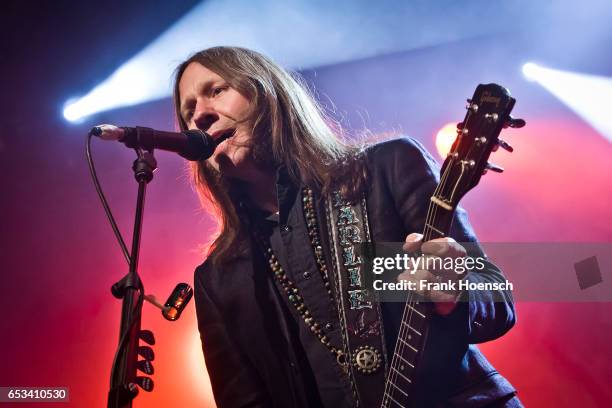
460 125
505 145
145 383
494 167
470 105
146 352
131 390
145 366
514 123
147 336
493 117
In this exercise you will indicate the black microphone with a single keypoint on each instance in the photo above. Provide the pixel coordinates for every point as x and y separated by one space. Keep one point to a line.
194 145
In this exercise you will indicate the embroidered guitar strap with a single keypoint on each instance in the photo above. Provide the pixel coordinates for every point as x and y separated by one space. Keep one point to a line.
359 310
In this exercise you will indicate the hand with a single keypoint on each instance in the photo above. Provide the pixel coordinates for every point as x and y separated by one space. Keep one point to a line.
446 248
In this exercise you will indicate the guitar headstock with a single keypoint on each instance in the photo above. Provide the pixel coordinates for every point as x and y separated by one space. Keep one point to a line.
488 112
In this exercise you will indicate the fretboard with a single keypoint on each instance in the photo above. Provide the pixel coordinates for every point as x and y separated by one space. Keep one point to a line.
400 381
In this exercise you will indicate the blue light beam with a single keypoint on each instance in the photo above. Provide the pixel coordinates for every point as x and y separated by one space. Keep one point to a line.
298 34
588 96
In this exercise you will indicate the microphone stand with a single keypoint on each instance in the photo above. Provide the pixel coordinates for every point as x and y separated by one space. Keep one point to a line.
123 388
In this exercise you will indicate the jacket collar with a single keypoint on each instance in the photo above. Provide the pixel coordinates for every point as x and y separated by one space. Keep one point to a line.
286 194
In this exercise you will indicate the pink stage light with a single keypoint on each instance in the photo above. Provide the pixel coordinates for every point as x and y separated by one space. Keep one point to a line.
445 138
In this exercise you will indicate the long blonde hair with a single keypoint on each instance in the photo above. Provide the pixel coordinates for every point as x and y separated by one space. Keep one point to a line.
288 127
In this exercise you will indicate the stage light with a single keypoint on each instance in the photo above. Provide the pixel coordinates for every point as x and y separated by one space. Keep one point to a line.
338 33
588 96
445 139
71 111
135 82
530 70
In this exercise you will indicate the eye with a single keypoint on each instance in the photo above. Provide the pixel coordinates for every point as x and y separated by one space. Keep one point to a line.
217 90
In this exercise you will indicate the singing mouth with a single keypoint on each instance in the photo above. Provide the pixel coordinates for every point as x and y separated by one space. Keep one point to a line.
221 135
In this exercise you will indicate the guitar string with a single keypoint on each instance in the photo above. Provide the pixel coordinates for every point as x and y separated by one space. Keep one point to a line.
408 309
426 237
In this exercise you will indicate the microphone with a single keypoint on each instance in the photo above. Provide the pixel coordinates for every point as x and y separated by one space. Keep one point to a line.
194 145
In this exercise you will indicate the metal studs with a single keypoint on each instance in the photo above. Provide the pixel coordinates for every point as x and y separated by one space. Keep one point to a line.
367 359
313 233
292 292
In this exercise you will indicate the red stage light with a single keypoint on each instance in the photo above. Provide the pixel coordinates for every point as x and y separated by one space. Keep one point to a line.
445 139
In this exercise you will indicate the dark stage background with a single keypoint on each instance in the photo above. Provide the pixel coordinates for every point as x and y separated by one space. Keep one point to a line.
59 257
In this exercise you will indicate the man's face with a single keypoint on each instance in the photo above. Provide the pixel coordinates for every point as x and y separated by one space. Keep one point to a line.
208 103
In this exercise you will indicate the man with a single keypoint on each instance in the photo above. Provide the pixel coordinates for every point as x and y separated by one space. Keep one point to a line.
277 323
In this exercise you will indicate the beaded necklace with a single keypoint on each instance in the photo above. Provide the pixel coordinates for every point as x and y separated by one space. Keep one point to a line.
315 237
291 290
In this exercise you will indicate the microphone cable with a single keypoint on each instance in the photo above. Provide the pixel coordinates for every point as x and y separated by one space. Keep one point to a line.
126 254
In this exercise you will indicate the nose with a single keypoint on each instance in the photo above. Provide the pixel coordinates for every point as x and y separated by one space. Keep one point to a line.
204 116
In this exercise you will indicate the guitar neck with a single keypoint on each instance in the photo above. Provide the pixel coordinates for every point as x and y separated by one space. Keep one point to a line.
413 327
488 112
438 221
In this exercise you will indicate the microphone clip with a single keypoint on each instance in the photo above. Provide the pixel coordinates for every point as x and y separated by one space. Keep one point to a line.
128 281
144 165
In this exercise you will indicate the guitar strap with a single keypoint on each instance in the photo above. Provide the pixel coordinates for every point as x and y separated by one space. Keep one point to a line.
358 308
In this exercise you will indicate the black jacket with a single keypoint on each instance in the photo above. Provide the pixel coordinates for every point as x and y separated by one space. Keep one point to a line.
258 351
